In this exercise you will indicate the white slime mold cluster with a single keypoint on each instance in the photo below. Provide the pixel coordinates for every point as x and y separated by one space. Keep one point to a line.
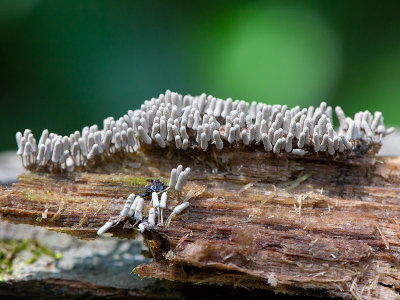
205 122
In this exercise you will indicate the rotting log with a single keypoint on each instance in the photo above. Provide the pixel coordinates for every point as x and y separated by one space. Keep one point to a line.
293 224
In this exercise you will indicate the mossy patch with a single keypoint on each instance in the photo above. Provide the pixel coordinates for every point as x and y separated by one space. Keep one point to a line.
131 180
9 250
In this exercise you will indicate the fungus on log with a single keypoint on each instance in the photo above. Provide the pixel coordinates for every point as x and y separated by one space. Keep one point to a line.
278 199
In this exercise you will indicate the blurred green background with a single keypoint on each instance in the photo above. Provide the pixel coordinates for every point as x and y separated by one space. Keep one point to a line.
67 64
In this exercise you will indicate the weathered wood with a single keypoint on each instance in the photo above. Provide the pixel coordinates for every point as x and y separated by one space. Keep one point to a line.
282 222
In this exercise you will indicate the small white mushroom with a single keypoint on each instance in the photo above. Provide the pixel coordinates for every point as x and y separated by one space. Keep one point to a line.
143 134
156 203
266 142
173 177
133 206
182 179
125 210
217 139
163 205
152 217
105 228
177 210
138 210
159 140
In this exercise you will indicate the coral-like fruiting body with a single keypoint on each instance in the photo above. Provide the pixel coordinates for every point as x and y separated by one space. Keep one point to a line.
205 122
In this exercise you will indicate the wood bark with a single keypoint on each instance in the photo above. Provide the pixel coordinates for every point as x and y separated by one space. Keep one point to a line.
299 225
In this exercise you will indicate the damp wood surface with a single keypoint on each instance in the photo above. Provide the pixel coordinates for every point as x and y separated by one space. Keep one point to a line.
300 225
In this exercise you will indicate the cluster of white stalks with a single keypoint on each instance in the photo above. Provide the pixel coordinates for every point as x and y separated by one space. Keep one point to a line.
206 122
133 208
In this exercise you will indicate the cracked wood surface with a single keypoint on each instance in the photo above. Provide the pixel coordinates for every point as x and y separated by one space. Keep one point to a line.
299 225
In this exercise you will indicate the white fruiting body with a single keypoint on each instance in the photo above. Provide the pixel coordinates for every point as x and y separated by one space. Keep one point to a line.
182 179
180 208
163 205
105 228
207 123
132 209
152 217
138 209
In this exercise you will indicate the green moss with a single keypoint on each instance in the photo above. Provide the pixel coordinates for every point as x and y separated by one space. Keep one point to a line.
132 180
34 196
9 250
136 181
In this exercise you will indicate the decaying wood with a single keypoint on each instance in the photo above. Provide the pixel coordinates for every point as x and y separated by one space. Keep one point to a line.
288 223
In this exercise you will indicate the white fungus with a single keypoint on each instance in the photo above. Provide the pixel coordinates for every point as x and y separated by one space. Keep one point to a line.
174 120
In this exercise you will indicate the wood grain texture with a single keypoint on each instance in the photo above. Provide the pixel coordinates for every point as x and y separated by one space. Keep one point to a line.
282 222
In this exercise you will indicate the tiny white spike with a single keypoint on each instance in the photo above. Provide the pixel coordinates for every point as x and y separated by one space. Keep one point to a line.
276 137
266 142
163 202
203 141
183 133
170 134
207 131
288 146
47 152
198 133
182 179
271 131
155 129
177 210
159 140
324 144
18 137
173 178
217 139
257 135
367 129
299 152
218 108
185 144
232 135
316 142
132 209
227 108
346 142
252 133
82 146
43 137
197 120
181 207
57 152
143 134
245 137
350 131
125 210
156 203
163 205
163 129
105 228
141 227
179 170
152 217
138 209
93 152
237 133
178 142
20 151
40 155
376 121
279 145
331 149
